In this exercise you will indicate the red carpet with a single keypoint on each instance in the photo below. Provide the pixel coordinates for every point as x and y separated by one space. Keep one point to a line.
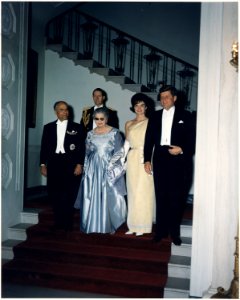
118 264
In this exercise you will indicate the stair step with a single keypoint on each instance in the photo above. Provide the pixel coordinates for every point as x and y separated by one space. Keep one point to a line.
185 249
177 288
100 71
186 228
54 47
18 231
87 63
85 278
134 87
119 239
69 54
179 266
117 79
82 254
30 215
7 248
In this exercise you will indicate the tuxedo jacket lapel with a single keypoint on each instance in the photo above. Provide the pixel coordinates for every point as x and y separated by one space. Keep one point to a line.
174 123
159 126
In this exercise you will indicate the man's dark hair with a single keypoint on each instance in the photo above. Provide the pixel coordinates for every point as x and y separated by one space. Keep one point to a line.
104 94
58 102
167 88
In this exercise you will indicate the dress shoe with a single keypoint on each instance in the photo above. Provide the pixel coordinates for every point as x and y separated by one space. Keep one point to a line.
177 241
157 239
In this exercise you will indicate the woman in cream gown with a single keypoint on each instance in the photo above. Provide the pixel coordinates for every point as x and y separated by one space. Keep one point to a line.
140 186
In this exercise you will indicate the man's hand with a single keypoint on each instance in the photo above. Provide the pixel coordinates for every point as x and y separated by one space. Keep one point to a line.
175 150
43 170
148 167
78 170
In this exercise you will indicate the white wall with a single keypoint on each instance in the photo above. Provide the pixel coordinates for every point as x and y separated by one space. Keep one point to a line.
74 84
216 195
64 80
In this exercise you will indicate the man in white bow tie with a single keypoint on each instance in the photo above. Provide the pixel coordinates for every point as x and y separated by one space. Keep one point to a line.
61 159
169 147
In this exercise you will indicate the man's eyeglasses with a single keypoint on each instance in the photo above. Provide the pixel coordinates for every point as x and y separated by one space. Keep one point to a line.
99 119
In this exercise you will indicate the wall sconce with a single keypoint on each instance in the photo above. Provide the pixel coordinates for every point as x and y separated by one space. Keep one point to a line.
152 65
186 84
234 60
120 49
89 29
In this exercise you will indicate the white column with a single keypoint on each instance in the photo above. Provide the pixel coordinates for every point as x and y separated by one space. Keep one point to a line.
216 168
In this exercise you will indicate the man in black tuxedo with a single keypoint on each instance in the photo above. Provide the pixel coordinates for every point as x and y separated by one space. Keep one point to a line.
61 160
99 98
170 137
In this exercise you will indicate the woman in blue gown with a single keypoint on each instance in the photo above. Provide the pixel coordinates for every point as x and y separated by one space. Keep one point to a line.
101 194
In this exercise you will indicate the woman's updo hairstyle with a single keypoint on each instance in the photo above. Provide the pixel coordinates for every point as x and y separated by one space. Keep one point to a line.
149 103
101 110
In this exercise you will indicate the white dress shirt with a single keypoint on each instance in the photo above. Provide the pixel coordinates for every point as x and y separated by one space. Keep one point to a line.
167 119
61 131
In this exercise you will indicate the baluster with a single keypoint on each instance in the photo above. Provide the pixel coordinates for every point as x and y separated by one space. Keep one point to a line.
132 59
69 31
108 47
77 33
140 62
100 43
58 30
173 72
165 70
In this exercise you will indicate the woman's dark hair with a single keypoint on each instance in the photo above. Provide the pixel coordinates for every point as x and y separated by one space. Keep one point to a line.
101 110
149 103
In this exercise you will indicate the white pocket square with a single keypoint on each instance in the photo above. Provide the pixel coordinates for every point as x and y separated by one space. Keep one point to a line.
73 132
180 122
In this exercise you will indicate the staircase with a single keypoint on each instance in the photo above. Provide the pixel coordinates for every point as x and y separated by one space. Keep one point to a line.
108 73
17 233
118 264
179 266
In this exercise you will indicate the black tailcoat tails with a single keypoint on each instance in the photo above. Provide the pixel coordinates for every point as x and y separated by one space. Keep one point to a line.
62 184
170 172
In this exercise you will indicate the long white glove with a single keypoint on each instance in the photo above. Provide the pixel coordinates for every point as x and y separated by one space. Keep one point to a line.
126 148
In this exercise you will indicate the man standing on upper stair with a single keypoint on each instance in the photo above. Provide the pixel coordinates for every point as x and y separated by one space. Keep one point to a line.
99 98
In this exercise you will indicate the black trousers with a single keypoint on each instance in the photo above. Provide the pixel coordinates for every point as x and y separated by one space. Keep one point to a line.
169 183
62 187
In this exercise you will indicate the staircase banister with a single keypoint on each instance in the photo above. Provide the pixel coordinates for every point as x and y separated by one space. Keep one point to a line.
62 14
138 40
78 11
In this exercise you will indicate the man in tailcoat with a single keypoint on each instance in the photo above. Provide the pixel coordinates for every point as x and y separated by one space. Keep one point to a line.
61 160
169 147
99 98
